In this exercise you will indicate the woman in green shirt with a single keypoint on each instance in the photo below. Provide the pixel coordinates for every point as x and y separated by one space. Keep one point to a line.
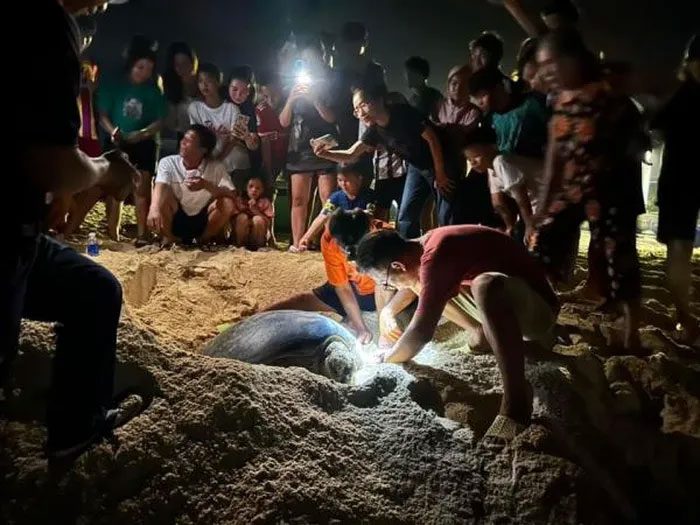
131 111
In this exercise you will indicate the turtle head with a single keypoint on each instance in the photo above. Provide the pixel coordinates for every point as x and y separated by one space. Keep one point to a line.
340 361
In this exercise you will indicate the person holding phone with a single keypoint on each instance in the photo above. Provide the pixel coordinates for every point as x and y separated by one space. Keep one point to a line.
224 118
308 114
242 93
403 130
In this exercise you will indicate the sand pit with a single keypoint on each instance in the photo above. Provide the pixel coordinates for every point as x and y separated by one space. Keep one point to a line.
615 440
186 297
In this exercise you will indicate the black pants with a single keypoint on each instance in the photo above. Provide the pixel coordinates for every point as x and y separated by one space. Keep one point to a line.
42 280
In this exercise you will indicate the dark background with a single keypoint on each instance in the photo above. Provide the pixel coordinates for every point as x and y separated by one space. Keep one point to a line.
649 33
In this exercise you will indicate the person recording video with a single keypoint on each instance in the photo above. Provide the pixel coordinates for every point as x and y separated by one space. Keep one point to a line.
308 114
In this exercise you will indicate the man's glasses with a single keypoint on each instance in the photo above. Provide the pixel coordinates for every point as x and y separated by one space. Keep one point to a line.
386 286
361 108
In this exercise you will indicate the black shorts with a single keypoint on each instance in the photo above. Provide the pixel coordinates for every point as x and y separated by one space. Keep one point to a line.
388 191
143 155
190 227
329 296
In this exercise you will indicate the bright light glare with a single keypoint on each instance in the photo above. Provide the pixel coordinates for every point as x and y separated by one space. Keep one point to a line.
303 77
370 365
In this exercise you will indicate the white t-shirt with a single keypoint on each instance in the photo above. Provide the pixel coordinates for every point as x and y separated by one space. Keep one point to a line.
221 121
172 171
511 170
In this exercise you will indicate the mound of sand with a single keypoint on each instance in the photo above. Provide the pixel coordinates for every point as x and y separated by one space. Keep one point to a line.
614 440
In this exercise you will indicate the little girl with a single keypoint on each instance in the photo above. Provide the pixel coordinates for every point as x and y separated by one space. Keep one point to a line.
253 215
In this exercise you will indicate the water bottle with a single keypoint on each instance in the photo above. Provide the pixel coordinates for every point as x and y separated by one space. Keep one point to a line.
93 247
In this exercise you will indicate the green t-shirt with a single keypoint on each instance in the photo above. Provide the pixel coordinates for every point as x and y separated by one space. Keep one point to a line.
523 129
132 107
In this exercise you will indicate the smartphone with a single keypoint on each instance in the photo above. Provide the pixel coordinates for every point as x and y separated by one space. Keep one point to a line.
328 140
241 122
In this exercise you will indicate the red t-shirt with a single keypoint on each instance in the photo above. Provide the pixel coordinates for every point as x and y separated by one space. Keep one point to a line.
269 122
453 256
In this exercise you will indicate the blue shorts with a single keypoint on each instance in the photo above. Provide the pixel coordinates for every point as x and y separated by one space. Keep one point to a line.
327 294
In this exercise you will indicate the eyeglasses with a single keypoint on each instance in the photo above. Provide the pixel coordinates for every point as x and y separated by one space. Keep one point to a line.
386 286
362 107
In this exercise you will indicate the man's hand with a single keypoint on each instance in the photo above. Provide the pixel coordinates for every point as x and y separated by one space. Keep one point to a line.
388 327
155 220
444 184
196 184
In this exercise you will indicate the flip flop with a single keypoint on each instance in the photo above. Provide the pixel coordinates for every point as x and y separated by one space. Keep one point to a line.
501 432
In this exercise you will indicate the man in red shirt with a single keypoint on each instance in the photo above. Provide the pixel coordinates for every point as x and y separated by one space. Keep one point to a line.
482 280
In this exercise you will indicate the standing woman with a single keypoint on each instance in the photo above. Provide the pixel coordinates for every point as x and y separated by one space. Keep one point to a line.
241 94
587 178
309 115
132 110
179 87
679 187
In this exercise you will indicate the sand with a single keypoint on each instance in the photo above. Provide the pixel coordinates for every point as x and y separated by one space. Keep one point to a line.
614 440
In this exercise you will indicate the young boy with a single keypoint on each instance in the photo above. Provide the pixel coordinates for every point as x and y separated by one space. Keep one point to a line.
424 98
350 196
519 178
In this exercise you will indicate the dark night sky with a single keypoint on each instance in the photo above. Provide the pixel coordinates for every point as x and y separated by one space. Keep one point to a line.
650 33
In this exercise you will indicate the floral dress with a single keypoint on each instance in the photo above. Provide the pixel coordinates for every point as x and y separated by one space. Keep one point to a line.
591 161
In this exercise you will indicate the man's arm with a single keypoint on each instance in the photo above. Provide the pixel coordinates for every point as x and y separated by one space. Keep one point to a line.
532 26
388 326
350 155
155 212
419 333
442 181
63 169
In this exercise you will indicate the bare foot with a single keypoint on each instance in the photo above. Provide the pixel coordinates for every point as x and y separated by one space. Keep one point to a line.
582 293
476 340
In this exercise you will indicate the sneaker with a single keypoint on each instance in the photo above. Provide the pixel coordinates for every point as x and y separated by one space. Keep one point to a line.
114 418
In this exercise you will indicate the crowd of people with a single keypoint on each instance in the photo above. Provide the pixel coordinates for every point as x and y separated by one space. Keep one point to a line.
490 182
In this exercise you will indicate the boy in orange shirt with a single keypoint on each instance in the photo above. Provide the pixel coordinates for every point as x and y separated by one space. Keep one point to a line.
346 292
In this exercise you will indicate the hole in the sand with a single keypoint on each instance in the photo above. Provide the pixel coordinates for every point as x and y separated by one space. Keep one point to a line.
427 396
137 290
370 394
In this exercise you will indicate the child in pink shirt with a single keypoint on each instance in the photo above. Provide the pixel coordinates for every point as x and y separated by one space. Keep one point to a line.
252 219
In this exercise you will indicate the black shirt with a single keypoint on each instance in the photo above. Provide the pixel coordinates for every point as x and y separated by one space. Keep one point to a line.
402 136
51 86
427 100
